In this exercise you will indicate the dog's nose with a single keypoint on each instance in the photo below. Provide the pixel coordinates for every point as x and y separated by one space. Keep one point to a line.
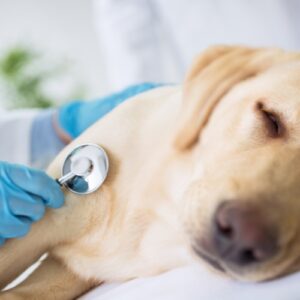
241 235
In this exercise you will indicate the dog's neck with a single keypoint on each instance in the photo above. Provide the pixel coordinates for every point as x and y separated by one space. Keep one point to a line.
146 179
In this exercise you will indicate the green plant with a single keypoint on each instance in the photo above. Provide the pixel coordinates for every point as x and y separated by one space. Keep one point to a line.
23 77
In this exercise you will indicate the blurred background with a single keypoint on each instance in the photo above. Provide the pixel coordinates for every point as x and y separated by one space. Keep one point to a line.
59 50
49 52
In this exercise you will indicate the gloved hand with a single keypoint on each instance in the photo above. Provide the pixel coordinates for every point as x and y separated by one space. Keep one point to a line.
75 117
24 195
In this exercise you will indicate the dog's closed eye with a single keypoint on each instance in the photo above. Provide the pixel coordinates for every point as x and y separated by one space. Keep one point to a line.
271 120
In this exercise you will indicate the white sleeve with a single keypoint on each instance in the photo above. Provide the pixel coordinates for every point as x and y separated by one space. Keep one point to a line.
15 129
130 35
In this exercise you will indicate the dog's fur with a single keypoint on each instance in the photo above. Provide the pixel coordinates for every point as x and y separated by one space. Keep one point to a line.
165 180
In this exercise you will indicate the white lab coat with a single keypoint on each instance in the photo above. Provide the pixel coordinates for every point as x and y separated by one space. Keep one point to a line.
156 40
15 129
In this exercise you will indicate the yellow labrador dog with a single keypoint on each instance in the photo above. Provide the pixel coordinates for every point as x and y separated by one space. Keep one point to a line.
208 170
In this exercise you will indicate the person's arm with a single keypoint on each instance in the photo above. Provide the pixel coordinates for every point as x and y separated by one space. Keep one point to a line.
15 131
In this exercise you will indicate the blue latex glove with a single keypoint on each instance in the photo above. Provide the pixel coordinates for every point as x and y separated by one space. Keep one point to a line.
24 195
75 117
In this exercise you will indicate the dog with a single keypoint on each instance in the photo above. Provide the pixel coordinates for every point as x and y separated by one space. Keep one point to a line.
208 170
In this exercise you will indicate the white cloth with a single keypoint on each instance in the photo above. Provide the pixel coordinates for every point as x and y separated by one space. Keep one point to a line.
197 283
15 130
156 40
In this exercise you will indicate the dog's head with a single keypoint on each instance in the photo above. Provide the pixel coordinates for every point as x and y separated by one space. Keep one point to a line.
241 121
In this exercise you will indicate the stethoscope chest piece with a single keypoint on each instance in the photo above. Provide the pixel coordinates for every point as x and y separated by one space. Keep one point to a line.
84 169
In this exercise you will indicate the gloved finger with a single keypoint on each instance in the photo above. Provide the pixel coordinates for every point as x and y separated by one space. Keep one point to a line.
35 182
2 241
22 204
10 225
13 226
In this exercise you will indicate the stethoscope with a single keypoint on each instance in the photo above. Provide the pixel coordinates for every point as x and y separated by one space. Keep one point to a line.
84 169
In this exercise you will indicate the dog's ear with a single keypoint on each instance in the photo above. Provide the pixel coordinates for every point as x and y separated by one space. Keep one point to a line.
212 75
